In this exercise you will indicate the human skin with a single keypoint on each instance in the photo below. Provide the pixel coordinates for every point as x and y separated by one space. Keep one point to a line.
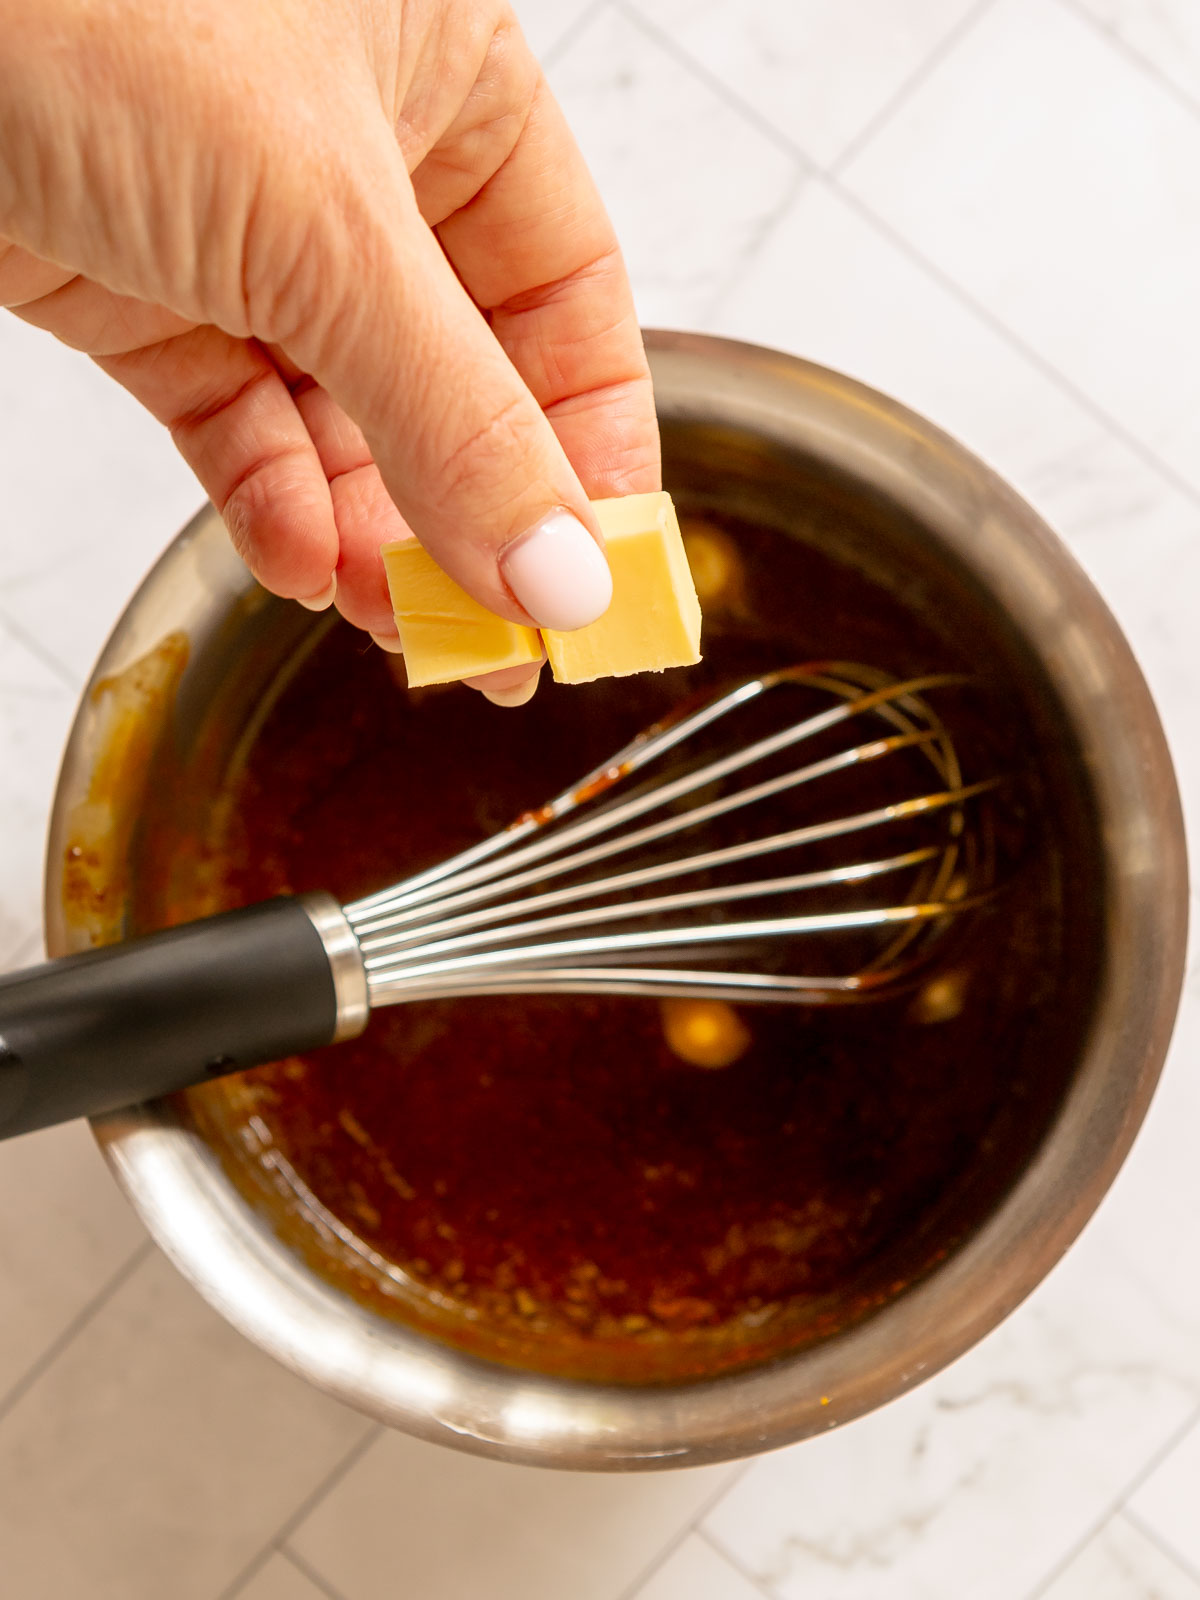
349 253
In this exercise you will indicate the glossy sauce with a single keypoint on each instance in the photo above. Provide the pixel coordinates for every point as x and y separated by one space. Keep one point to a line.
543 1180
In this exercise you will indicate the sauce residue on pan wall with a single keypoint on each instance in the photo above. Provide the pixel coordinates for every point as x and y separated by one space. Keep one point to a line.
127 713
544 1180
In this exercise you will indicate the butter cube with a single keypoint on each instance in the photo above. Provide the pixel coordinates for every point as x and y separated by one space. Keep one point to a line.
652 623
445 634
654 619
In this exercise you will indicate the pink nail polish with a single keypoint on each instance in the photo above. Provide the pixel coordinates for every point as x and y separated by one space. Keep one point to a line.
558 573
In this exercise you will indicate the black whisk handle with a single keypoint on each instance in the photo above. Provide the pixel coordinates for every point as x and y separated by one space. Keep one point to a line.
129 1022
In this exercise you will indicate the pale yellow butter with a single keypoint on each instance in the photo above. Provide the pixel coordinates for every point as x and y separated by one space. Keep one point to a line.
445 634
654 619
652 623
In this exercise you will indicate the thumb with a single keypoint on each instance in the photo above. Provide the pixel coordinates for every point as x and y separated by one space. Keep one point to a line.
463 448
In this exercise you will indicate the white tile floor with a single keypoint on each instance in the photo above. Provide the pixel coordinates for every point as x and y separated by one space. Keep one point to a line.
990 208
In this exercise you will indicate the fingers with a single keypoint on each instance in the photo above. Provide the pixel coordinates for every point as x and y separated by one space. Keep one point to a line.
290 472
498 688
367 518
25 277
452 410
537 251
83 314
236 425
364 514
463 448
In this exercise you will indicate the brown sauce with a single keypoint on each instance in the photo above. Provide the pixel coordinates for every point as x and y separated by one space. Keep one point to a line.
543 1180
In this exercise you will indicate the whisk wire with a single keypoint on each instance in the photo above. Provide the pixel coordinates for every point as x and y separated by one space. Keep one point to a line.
486 919
373 948
757 931
463 933
471 865
655 833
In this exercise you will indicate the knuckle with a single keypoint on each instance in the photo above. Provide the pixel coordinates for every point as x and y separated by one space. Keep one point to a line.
238 515
491 459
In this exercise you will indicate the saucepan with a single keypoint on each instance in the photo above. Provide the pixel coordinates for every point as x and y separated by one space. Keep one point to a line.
761 434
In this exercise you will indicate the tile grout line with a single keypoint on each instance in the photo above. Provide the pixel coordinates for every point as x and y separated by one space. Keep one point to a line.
1176 1557
1133 56
317 1579
933 59
572 32
837 185
667 1550
734 1561
74 1328
761 232
1115 1506
805 169
748 112
307 1505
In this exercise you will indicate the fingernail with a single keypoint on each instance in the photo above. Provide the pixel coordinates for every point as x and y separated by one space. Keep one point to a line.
519 695
389 642
322 601
558 573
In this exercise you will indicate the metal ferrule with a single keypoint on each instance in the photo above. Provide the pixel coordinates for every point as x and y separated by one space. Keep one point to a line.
345 964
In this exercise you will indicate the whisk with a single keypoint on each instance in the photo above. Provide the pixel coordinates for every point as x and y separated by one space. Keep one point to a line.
714 856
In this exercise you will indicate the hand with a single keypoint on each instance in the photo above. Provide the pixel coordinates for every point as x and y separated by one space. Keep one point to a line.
348 252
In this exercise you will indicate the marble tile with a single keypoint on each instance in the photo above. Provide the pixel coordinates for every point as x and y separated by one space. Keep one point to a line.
1032 1433
157 1454
644 123
36 708
696 1571
1059 185
281 1579
475 1527
818 70
545 23
1168 1503
93 491
1165 34
1121 1563
65 1229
